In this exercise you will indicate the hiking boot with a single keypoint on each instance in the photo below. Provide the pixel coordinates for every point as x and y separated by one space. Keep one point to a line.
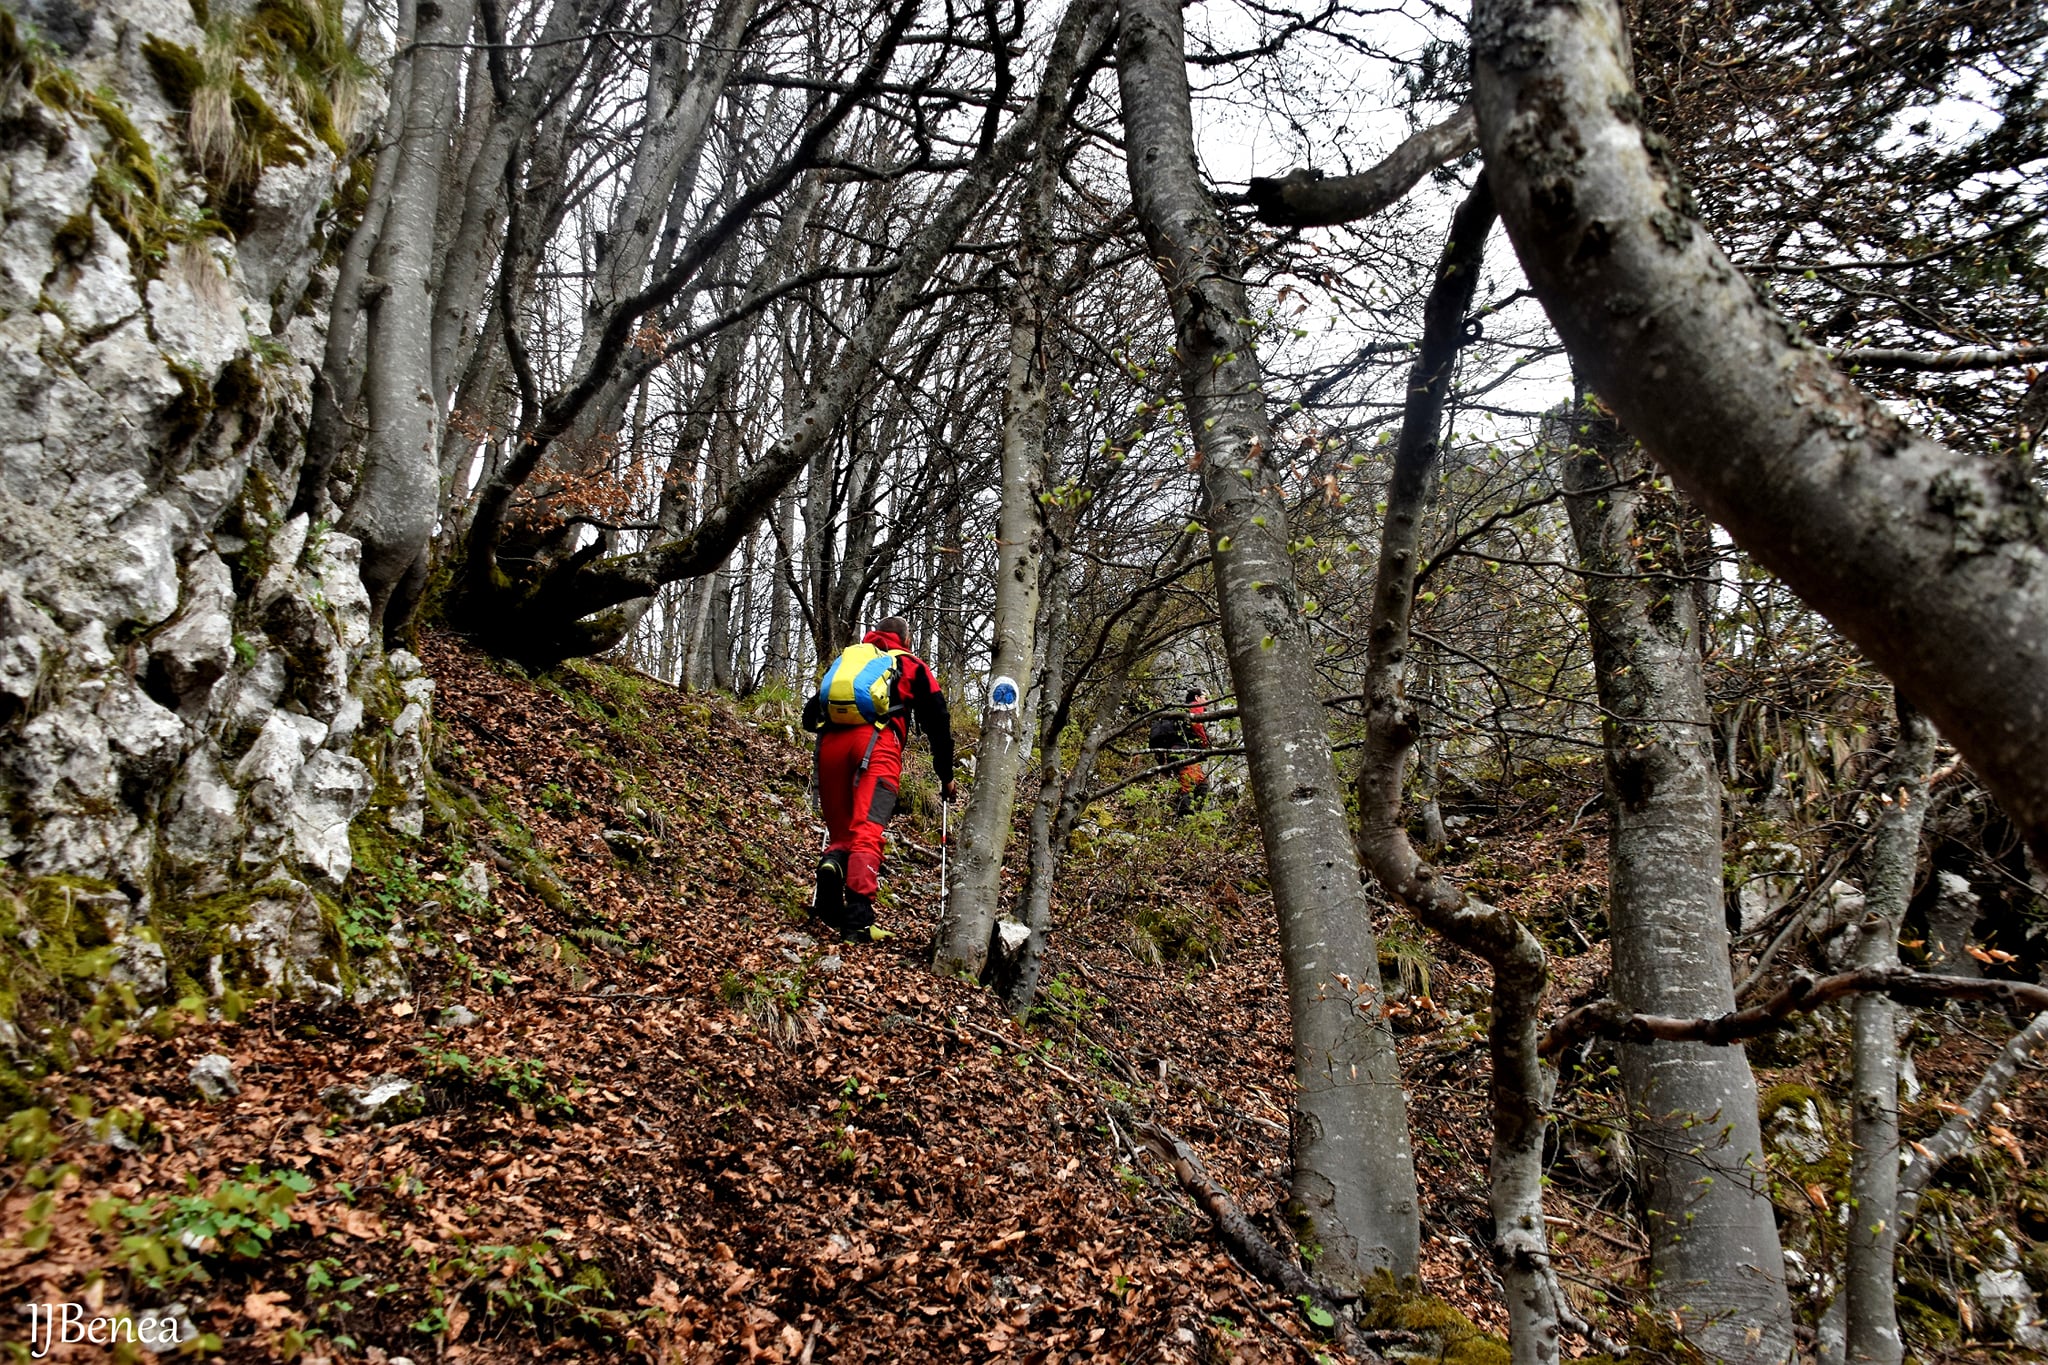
858 923
828 902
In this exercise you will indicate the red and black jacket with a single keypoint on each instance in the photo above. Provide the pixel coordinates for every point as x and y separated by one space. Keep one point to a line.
914 695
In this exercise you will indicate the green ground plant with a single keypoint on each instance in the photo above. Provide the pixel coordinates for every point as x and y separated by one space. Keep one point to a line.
173 1239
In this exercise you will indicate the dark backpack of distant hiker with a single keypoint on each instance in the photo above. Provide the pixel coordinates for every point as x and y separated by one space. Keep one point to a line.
1168 734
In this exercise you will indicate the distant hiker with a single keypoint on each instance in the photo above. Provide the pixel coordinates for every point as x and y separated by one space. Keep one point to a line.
1194 782
861 714
1172 737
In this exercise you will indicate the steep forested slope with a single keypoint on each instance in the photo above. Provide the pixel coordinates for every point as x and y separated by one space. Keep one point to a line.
624 1101
627 1101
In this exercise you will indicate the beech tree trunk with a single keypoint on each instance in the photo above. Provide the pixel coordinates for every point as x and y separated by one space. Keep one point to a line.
339 383
972 901
395 502
951 649
1715 1261
478 223
1353 1182
1061 797
779 664
1870 1287
1018 979
1933 562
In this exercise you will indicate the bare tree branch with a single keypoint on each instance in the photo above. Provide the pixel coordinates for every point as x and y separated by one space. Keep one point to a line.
1963 358
1306 198
1801 995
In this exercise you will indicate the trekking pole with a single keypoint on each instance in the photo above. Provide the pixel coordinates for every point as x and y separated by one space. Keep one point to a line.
945 818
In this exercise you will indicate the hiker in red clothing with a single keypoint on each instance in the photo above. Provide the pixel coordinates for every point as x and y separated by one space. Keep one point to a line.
1194 783
861 714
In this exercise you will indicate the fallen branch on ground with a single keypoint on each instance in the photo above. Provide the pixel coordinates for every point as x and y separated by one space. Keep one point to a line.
1244 1239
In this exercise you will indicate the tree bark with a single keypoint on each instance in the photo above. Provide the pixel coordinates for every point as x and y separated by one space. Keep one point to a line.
399 494
1869 1287
1715 1260
973 900
1018 979
1520 1084
681 99
1934 563
340 380
465 274
1802 994
952 632
1061 798
1353 1181
778 658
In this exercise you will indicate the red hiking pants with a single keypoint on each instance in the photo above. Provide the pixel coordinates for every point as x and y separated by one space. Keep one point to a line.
856 814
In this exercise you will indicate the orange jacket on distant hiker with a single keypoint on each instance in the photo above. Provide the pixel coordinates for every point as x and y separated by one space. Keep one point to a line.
1191 774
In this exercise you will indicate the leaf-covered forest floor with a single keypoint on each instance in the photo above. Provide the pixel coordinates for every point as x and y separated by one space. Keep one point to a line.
682 1127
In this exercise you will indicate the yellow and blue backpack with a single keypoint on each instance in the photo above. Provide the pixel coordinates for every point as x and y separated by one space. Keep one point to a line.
855 689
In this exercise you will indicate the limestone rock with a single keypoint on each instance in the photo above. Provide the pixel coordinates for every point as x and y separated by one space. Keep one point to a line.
2008 1300
287 945
280 750
256 691
174 1327
197 318
380 977
1950 921
1012 936
348 719
97 292
1796 1130
143 736
187 657
199 832
27 635
332 789
385 1098
167 732
213 1076
454 1017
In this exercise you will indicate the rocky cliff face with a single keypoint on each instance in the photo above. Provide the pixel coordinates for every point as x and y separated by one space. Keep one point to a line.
193 710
